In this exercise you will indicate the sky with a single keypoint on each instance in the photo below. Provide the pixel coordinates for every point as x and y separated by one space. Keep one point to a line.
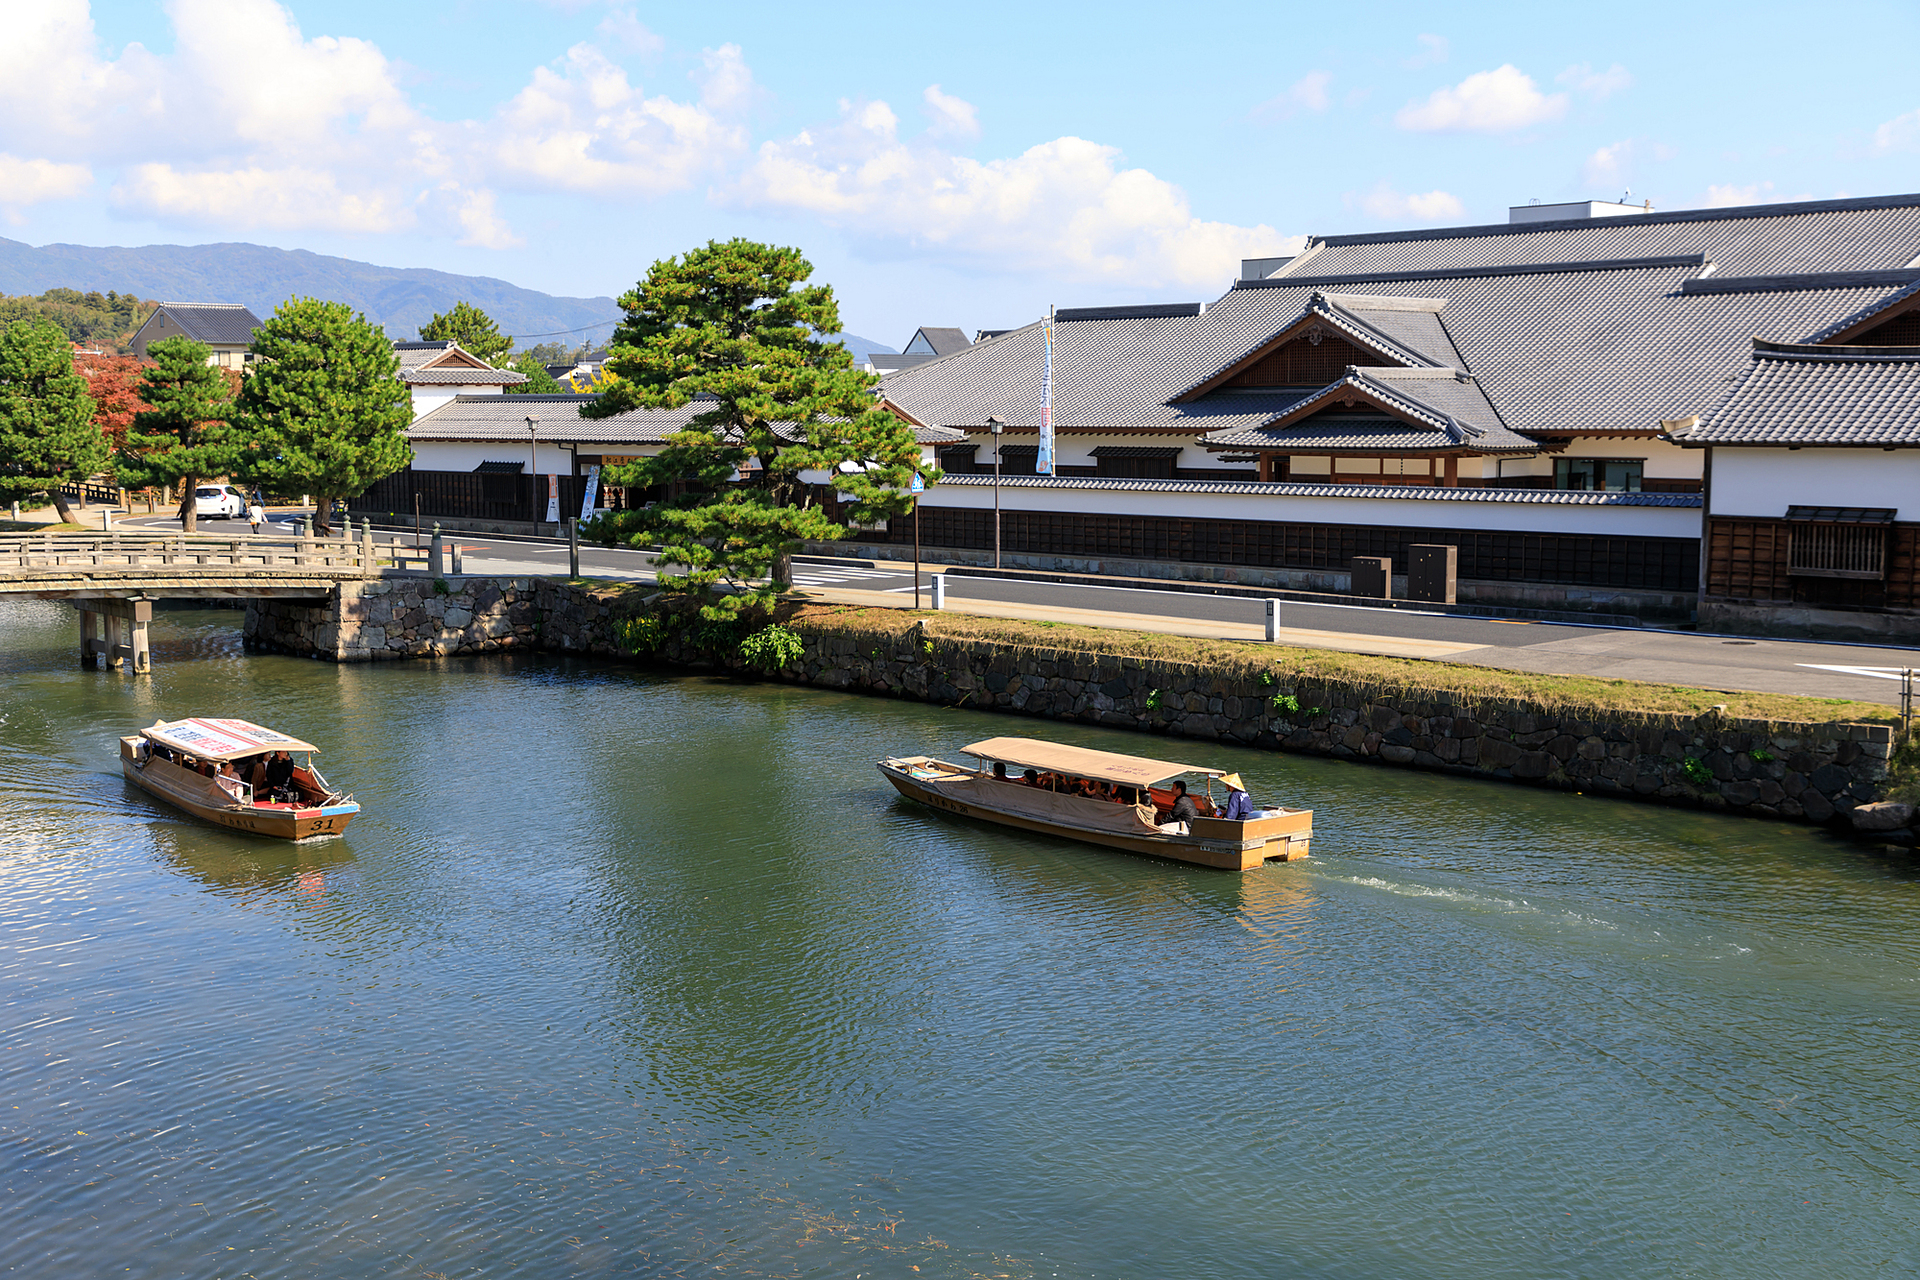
965 165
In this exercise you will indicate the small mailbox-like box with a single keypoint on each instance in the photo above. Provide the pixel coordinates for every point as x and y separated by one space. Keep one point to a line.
1433 573
1372 577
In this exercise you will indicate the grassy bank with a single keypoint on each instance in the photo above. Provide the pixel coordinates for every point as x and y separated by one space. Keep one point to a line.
1587 695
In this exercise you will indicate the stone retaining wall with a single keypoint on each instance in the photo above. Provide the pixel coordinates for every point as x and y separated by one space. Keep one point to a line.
1806 772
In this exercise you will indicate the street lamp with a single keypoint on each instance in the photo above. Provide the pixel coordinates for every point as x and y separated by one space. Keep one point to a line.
533 470
996 424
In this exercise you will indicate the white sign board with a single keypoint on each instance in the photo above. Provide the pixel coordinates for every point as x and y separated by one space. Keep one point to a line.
553 499
593 491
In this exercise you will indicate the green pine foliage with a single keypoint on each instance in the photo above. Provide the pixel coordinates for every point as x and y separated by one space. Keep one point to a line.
184 436
735 326
47 434
472 328
322 407
539 382
92 319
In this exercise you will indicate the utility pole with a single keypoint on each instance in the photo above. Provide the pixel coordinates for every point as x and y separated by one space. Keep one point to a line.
996 425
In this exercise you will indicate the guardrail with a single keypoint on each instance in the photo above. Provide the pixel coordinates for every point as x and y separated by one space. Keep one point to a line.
135 555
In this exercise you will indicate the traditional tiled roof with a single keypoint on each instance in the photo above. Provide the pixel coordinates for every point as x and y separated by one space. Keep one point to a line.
1418 411
215 323
414 354
1422 493
1407 330
1798 394
943 341
557 418
461 376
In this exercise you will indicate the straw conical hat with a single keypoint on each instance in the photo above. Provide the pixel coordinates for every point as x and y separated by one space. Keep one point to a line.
1233 780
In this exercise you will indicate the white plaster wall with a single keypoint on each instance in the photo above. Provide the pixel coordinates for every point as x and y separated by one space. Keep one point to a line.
465 455
1652 522
1765 482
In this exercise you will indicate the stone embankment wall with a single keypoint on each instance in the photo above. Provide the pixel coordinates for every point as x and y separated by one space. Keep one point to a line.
1809 772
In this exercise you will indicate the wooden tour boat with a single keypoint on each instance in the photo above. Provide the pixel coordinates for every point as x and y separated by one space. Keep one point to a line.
179 762
1209 840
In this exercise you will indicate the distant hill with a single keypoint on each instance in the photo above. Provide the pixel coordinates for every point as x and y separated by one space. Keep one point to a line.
399 298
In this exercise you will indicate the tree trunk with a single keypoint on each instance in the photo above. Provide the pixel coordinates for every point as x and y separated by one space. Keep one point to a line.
783 571
322 516
61 505
189 505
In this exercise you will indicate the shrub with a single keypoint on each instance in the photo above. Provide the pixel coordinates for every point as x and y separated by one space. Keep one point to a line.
1286 702
773 647
1697 772
640 635
1153 700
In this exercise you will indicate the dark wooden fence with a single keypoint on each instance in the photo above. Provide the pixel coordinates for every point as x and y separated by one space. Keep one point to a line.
468 495
1596 560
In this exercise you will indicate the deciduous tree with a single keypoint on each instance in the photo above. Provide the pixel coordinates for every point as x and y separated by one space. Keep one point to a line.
321 407
114 384
472 328
185 434
47 435
539 382
737 326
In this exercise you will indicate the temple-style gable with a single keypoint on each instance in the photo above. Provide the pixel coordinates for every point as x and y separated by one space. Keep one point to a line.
1333 333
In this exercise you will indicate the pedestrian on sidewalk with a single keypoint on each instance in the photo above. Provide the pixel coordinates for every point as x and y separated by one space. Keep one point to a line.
256 514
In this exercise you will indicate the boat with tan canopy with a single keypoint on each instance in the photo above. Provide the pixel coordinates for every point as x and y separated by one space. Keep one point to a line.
237 774
1123 802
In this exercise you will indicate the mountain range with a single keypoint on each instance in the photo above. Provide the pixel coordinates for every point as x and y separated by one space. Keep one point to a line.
400 299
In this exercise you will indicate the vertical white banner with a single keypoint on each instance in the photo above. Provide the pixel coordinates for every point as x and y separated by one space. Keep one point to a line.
553 499
1043 462
593 491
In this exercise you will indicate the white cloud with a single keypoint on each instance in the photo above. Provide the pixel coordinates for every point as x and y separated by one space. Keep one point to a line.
1387 205
952 117
586 127
1726 195
284 199
1433 49
24 182
1496 101
1607 166
623 29
1310 90
1595 84
1902 133
1064 207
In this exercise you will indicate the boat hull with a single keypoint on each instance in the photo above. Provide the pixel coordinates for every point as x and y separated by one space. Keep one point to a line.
199 796
1212 842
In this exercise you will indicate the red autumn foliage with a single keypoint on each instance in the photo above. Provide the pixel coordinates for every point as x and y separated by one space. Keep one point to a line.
114 384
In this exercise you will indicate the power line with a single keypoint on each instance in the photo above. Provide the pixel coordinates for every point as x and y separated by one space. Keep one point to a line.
557 333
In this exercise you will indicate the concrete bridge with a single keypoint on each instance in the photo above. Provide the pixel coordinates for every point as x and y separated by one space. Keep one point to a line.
115 578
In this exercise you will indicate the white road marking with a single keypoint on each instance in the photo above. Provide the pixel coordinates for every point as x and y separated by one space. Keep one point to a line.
1877 673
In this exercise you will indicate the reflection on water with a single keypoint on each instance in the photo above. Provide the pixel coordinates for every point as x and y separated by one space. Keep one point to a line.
622 974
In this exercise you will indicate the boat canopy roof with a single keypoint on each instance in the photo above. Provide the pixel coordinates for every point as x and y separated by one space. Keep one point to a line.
221 739
1107 766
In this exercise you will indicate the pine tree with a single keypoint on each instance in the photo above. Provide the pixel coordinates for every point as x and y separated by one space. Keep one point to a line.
735 323
47 434
322 407
539 382
473 329
184 436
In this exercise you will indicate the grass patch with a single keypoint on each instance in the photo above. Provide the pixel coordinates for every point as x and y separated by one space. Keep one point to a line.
35 526
1589 696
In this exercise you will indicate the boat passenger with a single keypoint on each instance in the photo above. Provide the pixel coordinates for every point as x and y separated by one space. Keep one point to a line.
1239 804
1000 772
1031 777
275 777
230 781
1182 812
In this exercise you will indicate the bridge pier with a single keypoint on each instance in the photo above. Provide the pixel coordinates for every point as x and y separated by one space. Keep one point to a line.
118 629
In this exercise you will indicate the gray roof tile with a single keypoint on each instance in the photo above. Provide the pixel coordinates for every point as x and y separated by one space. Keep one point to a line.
1420 493
464 377
557 417
219 323
1796 394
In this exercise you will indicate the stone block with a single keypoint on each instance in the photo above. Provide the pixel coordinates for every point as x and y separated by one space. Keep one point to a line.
1885 815
1533 764
457 619
1816 806
1591 748
1830 779
1395 753
1496 754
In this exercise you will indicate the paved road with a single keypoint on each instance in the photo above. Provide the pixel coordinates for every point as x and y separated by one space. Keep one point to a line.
1701 661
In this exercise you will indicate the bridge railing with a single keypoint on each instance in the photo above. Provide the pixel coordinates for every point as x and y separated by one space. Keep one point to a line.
133 554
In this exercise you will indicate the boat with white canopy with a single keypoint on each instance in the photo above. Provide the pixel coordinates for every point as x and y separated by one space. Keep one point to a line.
237 774
1122 802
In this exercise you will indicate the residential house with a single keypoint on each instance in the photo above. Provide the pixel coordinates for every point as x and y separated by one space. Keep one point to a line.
226 328
439 372
927 343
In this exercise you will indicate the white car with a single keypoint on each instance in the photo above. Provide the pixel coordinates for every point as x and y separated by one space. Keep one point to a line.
222 500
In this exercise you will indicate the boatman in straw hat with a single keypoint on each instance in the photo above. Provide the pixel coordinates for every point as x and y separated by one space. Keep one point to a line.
1239 806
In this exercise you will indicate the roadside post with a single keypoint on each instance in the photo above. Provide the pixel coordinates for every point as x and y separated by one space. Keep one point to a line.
573 547
919 486
437 557
1273 620
939 591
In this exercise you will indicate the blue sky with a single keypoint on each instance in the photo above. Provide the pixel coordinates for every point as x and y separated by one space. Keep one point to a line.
955 164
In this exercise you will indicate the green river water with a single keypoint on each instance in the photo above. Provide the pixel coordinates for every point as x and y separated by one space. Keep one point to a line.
623 973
